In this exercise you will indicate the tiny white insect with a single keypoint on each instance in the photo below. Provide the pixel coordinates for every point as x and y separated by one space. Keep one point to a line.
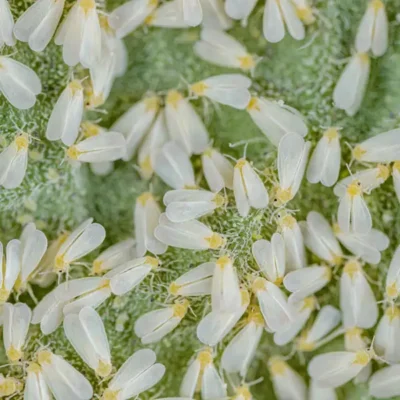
202 375
168 15
334 369
352 84
14 162
217 47
139 373
301 313
327 319
271 258
317 392
102 77
324 163
155 325
353 214
85 47
294 243
320 239
217 170
357 300
238 9
248 188
392 289
381 148
35 385
277 313
19 84
7 24
33 248
128 275
16 321
229 89
385 382
38 23
84 239
195 282
385 343
152 143
306 281
187 235
367 247
240 351
214 16
146 216
66 117
275 120
372 33
287 383
277 14
173 166
187 204
184 124
11 267
130 15
114 256
136 122
64 381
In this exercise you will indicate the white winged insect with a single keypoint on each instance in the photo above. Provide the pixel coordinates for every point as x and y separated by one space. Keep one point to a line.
327 319
324 163
130 15
229 89
38 23
64 381
352 84
155 325
66 117
372 33
238 9
271 258
353 214
202 375
184 124
128 275
217 47
385 382
114 256
19 84
11 267
240 351
320 238
35 385
301 313
136 122
386 344
248 188
14 162
214 16
168 15
292 160
334 369
187 204
146 216
217 170
80 35
83 239
381 148
87 334
357 300
287 383
294 243
16 321
306 281
280 15
173 166
139 373
195 282
367 247
187 235
277 313
7 24
275 119
393 276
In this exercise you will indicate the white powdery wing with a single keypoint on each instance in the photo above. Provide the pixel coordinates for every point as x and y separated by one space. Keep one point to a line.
90 49
327 319
256 191
214 16
215 326
384 147
13 263
385 383
344 213
238 9
295 252
361 220
16 323
201 272
16 170
380 38
293 22
365 31
386 344
239 190
189 381
153 320
35 387
212 386
168 15
7 24
321 393
273 24
192 12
